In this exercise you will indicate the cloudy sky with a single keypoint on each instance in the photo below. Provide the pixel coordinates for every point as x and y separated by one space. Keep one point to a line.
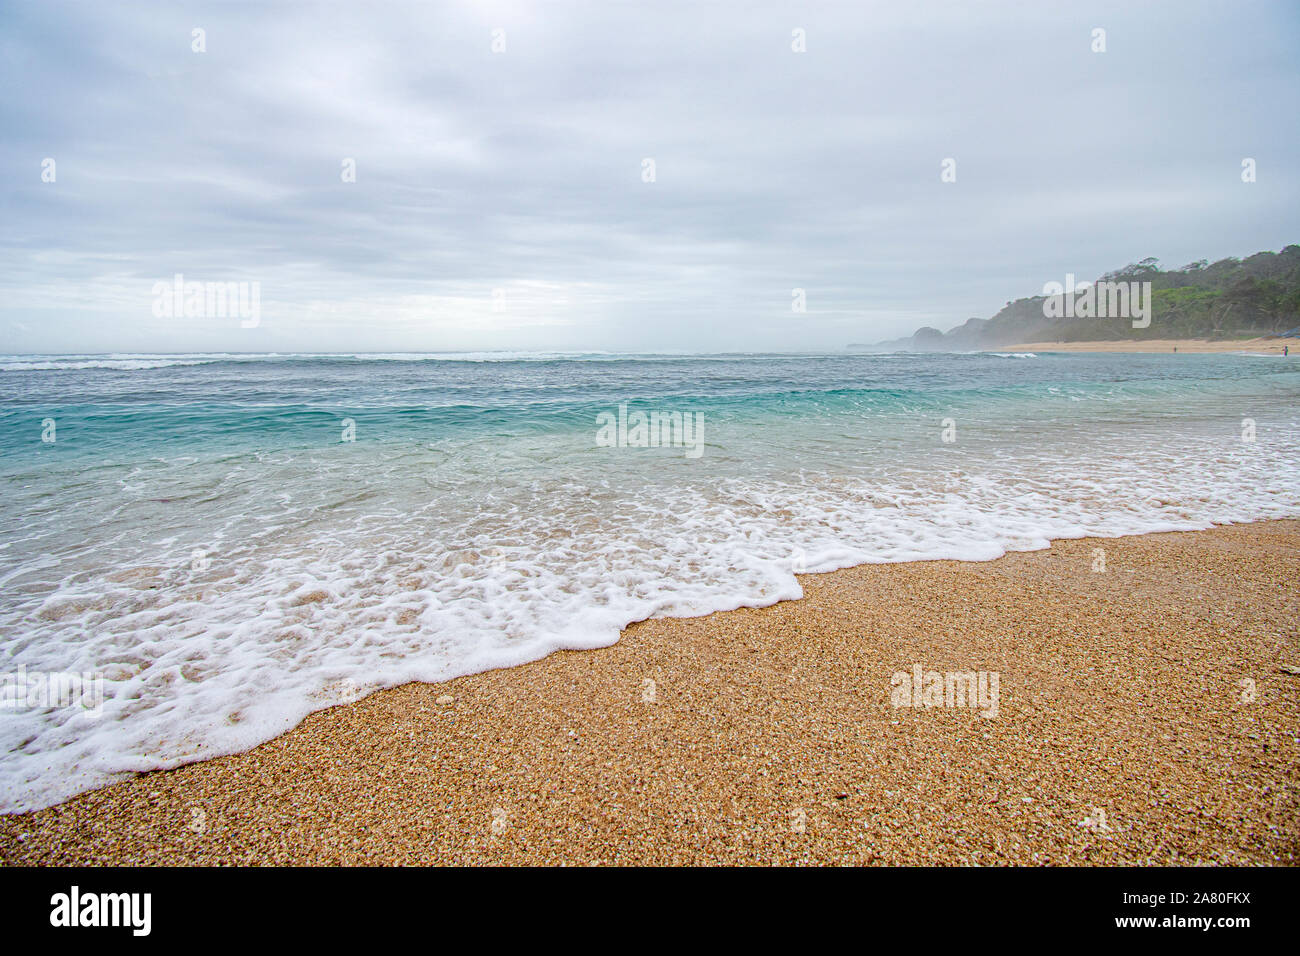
501 196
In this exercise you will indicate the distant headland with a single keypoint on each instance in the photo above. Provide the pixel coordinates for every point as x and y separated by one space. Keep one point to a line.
1220 305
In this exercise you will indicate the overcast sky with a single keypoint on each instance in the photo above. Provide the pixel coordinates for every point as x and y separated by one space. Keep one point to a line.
522 171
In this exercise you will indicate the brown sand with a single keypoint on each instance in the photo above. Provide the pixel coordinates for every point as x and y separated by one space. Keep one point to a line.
1271 346
772 738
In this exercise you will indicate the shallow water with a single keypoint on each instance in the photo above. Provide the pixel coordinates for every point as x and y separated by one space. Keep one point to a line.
200 534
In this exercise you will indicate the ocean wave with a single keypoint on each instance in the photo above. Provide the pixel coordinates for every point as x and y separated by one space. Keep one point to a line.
314 582
118 365
227 573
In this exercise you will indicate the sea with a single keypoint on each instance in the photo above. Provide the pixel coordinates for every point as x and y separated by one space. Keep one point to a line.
214 546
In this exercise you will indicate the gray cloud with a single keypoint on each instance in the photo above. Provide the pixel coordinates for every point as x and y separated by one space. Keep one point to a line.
521 171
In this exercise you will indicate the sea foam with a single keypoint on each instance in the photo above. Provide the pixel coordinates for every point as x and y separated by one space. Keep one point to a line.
223 594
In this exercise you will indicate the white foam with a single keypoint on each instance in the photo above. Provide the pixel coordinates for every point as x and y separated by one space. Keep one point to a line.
121 365
326 577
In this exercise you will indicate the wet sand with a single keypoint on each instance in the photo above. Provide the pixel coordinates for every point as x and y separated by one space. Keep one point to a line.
1144 716
1270 346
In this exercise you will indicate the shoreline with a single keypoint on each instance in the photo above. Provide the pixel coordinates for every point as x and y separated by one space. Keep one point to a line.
767 735
1269 345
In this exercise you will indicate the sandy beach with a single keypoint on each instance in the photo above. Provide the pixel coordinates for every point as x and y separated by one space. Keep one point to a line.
1270 346
1144 715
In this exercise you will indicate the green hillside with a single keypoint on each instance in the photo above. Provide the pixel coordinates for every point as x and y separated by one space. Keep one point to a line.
1231 298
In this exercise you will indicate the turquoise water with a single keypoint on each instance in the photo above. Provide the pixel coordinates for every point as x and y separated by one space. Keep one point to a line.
181 404
233 541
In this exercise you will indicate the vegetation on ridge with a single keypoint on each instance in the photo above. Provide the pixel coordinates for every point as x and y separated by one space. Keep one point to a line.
1231 298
